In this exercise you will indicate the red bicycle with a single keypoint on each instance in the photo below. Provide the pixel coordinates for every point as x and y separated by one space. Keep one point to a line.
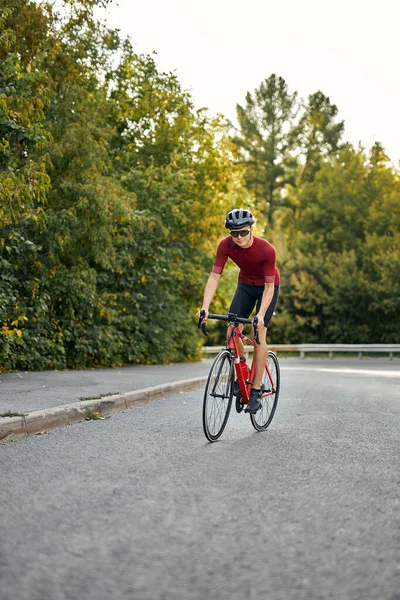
219 387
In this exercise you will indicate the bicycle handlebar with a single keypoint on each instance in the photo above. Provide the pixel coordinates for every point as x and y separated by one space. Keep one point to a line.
230 318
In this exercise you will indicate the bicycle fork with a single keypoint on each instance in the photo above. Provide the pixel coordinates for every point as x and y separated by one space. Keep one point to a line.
213 392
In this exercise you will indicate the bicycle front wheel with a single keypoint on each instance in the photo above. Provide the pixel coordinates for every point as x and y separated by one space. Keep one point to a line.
270 387
218 396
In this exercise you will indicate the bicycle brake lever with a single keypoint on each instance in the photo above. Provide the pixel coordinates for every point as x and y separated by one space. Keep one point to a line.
201 324
255 330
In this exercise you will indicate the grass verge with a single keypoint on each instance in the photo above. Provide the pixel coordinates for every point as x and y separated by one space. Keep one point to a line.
99 397
10 413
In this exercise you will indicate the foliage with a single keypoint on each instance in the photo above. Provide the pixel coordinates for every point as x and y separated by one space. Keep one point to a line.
267 140
331 211
95 415
11 414
342 278
106 220
283 141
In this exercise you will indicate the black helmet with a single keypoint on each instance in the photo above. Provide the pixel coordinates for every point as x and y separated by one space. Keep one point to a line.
238 217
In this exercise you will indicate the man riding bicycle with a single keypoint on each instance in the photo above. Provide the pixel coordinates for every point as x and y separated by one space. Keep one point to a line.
258 285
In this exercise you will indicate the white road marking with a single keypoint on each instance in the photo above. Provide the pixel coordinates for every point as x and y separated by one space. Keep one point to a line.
368 372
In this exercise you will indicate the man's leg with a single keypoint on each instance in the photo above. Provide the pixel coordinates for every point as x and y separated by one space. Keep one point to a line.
260 357
261 351
242 304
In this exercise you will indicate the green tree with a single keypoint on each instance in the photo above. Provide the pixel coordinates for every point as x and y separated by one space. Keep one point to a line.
178 164
267 141
320 134
24 179
381 264
334 206
130 171
343 253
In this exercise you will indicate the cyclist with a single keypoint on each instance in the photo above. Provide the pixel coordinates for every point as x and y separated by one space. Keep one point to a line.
258 286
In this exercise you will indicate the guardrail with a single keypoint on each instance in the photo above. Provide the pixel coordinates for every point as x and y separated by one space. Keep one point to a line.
331 348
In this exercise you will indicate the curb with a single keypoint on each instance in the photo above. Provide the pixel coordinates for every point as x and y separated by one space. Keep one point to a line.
39 421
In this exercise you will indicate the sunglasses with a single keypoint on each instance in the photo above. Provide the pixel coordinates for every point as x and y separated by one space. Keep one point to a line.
242 233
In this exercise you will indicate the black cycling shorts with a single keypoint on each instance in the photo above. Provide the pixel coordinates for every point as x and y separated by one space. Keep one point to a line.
247 296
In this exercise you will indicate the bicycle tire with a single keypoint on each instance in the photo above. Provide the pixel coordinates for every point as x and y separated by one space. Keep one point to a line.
262 419
218 395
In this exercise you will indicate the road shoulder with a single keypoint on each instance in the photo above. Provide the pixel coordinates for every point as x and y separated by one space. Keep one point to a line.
40 421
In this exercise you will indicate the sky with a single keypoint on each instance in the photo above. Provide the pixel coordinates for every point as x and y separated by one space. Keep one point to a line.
221 49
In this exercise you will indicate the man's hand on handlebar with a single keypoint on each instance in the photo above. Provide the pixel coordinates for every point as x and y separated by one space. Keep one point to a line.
202 317
202 314
260 322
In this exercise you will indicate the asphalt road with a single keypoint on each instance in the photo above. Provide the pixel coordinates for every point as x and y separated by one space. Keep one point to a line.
141 506
27 391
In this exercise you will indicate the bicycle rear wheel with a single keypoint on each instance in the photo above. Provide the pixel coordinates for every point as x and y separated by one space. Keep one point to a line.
264 416
218 396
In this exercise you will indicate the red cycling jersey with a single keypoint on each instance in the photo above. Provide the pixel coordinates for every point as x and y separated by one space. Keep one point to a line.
256 263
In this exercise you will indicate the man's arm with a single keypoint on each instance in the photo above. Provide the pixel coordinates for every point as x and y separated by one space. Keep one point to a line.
209 291
267 296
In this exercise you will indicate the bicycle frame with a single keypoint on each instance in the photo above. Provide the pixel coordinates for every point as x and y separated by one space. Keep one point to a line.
220 385
245 386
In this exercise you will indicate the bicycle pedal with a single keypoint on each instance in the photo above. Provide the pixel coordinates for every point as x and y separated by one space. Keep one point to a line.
265 390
